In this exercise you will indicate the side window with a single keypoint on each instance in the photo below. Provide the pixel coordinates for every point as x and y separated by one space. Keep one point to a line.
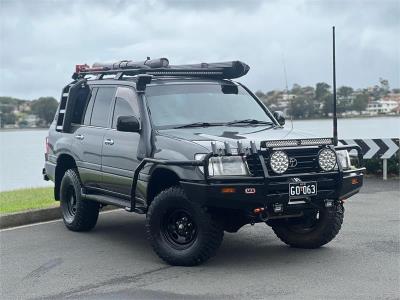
89 107
126 104
81 102
101 107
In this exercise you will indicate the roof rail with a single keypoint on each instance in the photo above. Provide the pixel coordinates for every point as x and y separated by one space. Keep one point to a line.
161 67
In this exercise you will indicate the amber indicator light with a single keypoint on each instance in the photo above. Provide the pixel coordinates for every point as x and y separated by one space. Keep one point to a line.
228 190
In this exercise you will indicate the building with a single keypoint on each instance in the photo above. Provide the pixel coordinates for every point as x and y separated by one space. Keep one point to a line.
382 107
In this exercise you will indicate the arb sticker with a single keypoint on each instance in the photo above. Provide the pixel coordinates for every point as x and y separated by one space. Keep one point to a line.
250 190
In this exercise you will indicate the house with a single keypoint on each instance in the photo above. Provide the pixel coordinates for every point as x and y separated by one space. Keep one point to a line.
382 106
28 121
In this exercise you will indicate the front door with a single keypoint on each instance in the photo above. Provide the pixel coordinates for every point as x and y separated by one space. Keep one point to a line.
119 159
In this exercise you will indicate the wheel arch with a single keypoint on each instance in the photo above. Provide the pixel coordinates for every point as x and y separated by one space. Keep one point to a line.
64 162
161 178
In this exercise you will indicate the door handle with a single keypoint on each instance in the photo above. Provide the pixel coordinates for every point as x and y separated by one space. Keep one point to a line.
79 137
108 142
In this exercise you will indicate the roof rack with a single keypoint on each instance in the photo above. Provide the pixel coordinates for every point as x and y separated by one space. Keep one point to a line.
161 67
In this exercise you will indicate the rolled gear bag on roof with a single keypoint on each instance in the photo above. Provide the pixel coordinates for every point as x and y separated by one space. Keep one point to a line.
128 64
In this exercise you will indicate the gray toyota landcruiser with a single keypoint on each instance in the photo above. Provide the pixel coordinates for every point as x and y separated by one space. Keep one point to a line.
195 151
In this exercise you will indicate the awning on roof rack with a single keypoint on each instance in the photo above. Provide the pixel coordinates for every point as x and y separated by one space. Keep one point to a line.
161 67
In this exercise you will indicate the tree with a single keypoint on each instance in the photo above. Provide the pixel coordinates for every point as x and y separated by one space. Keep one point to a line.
327 106
45 108
7 118
301 107
384 85
260 94
321 90
308 90
323 97
379 91
296 89
344 100
7 115
345 92
360 102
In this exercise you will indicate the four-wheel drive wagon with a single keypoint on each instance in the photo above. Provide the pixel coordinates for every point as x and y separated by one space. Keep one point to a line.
195 151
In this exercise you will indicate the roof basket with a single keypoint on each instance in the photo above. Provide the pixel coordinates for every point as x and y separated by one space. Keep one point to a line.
161 67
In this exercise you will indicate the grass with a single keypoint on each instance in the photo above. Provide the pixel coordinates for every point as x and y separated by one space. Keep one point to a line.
26 199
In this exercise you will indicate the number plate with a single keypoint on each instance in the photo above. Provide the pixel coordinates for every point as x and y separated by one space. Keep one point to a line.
302 189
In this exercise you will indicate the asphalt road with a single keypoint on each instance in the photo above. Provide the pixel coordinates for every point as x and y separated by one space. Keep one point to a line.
115 260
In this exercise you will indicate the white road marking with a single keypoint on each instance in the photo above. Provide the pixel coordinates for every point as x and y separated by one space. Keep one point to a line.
52 221
30 225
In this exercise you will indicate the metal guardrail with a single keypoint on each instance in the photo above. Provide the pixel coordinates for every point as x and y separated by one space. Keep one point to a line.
376 148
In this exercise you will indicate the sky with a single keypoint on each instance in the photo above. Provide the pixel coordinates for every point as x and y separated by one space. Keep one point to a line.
42 41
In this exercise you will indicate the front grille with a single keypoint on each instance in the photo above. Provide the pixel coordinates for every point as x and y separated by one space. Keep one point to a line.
307 161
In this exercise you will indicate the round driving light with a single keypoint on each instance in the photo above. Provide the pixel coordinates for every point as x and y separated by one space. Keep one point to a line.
279 162
327 159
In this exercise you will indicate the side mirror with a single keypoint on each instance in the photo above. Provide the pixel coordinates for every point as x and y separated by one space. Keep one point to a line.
278 115
128 124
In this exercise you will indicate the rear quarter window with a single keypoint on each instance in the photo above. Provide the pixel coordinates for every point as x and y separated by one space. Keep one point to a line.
80 106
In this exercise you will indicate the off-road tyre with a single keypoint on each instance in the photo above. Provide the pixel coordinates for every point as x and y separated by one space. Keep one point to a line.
203 237
78 214
324 231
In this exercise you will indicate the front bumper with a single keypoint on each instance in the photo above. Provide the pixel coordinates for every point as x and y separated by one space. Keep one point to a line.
255 192
251 193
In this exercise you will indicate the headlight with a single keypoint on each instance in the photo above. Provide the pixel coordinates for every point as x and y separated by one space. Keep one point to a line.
327 159
279 162
225 165
344 159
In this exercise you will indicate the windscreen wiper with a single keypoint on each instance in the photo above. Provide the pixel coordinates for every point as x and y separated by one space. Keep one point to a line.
199 124
251 121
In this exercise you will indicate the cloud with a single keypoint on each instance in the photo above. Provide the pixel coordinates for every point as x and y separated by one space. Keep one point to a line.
41 41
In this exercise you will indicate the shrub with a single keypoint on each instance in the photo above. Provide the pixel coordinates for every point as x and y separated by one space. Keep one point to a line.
375 165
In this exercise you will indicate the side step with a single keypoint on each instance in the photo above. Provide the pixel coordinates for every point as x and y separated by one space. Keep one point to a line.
111 200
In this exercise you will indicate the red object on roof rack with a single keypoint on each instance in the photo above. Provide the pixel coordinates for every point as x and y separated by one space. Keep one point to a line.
86 68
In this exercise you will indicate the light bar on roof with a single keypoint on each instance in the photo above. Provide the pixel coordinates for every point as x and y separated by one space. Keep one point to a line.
184 73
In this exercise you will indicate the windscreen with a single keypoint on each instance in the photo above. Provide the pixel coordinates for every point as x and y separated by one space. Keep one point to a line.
181 104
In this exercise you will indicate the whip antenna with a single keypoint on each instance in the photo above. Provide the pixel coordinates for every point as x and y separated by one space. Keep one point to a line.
335 133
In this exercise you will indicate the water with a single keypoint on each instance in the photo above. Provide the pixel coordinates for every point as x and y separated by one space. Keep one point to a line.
362 128
22 152
22 159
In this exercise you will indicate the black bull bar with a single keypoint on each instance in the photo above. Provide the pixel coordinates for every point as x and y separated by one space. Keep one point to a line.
347 182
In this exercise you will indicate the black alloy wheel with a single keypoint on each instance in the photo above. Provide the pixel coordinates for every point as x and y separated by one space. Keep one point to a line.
179 228
181 231
78 213
69 207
